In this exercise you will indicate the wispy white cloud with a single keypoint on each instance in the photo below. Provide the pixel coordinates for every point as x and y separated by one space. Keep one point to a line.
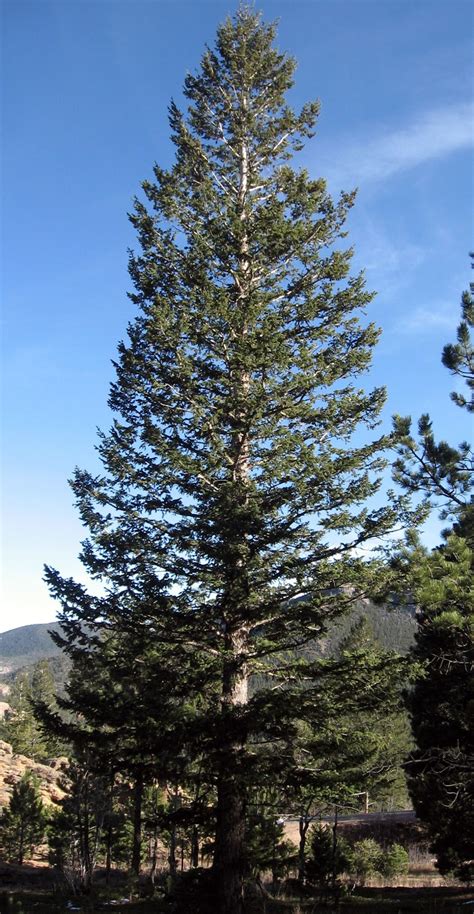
388 257
433 135
424 320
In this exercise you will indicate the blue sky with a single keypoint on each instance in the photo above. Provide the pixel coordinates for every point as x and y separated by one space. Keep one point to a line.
86 87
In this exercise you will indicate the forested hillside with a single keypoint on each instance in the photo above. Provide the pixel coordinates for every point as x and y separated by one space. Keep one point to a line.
22 646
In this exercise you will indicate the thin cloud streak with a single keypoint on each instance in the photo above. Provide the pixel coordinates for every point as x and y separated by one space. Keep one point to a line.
423 320
433 135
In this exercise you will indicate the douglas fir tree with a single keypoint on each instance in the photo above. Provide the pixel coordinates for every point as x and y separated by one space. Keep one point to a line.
233 496
441 769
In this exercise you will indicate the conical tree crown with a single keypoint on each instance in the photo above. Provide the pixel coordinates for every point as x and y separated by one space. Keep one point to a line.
234 492
231 457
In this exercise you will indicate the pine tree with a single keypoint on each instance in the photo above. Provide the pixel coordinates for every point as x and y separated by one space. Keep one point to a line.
327 858
232 486
19 728
443 473
77 827
441 768
350 744
22 728
23 823
459 356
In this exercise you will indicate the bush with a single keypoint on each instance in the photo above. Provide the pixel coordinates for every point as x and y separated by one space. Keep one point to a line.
325 862
192 892
23 824
365 859
395 861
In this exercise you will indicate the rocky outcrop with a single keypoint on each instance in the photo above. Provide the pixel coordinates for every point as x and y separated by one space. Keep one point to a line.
13 767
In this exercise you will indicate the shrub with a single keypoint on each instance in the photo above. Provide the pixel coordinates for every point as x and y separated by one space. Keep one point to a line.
23 824
395 861
365 859
325 862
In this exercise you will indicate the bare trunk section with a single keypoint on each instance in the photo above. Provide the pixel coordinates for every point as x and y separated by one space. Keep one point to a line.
109 830
173 840
137 824
228 865
231 795
194 853
303 826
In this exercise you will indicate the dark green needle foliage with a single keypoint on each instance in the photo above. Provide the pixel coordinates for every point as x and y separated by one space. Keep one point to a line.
327 857
265 847
441 769
231 484
23 823
76 827
22 727
459 356
443 473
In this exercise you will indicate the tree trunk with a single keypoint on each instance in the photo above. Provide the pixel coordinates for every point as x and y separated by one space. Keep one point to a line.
154 855
173 866
85 837
334 851
175 802
194 855
231 793
228 863
304 823
108 836
108 853
137 824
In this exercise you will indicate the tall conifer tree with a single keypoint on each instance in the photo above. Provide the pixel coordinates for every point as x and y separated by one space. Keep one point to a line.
441 768
233 495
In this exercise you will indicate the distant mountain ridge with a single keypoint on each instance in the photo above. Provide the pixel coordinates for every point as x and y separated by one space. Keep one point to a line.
21 648
26 645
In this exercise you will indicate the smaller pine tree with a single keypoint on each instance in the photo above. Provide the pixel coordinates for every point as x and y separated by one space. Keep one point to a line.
18 728
366 859
441 769
23 727
328 858
265 847
77 828
395 861
23 824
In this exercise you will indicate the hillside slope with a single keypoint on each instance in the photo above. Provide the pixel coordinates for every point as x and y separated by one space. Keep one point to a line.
23 646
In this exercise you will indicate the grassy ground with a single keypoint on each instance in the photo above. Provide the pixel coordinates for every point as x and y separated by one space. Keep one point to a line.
408 901
45 903
32 889
368 901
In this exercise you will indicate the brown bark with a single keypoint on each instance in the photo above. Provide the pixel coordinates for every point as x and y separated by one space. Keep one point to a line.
228 864
304 823
172 847
137 824
194 855
231 792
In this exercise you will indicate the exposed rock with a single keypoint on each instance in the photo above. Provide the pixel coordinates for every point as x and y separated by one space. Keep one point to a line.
58 764
13 767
